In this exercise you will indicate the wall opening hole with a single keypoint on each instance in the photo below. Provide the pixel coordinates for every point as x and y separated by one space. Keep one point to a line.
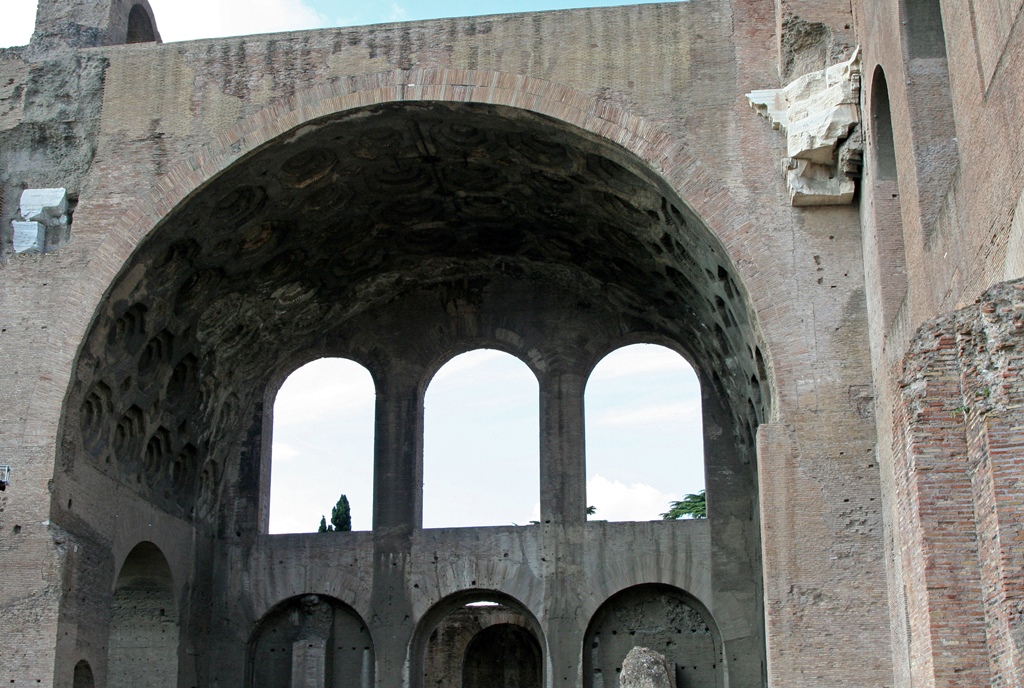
480 443
644 435
140 26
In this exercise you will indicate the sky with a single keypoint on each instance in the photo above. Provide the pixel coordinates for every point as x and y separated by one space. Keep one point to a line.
182 20
481 437
644 443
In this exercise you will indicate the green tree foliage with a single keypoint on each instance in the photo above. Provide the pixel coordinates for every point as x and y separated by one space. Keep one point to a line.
341 517
691 506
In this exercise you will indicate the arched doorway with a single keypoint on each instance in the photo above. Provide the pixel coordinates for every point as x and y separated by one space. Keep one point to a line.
143 644
479 639
502 656
311 640
660 618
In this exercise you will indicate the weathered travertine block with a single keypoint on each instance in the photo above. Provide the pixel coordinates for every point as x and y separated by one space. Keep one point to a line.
813 184
43 220
645 668
29 237
818 112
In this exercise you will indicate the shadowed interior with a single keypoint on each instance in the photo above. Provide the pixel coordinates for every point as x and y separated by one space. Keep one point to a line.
356 224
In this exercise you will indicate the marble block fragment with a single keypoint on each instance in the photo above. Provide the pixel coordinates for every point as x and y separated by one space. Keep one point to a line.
42 223
819 113
44 205
29 237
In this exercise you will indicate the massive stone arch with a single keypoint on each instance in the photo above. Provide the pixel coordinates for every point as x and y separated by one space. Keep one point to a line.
393 222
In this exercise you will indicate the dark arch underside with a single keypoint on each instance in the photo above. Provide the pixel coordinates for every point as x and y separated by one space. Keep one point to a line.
306 240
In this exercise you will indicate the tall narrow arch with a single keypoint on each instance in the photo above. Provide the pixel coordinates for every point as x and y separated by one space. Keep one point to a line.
644 433
323 431
140 26
144 626
889 265
480 447
83 677
882 138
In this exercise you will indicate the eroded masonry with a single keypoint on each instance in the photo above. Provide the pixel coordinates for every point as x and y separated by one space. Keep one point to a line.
183 225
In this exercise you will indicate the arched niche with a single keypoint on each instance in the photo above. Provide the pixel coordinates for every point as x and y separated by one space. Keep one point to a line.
144 626
477 639
882 141
480 448
322 445
311 638
82 677
140 26
645 444
885 204
661 618
243 274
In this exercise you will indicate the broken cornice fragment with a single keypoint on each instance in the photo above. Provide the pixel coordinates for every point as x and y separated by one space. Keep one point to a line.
818 112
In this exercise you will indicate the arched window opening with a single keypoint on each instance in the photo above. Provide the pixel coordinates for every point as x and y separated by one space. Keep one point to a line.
644 434
140 26
889 271
83 677
923 25
659 617
311 640
143 645
322 446
484 643
480 443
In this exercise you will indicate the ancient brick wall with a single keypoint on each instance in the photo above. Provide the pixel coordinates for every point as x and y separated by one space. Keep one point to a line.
957 494
953 85
663 85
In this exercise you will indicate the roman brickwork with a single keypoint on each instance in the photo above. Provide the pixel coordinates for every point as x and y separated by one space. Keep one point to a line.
553 185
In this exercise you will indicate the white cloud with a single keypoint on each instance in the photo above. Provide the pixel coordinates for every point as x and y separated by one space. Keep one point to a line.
641 359
616 501
327 388
398 13
673 415
18 21
465 367
283 452
182 20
